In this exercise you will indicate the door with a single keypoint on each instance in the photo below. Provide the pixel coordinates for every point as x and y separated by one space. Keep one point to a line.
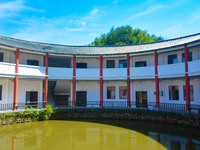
81 98
141 99
31 99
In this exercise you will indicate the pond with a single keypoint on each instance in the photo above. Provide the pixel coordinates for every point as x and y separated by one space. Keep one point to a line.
97 135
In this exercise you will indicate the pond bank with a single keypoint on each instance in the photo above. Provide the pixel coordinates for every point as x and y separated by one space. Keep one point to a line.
31 115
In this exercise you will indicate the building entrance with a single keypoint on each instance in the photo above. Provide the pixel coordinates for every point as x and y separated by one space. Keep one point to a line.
141 99
81 98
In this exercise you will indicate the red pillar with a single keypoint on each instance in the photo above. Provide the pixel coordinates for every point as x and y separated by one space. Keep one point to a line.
128 82
101 81
46 80
74 81
16 79
156 78
187 80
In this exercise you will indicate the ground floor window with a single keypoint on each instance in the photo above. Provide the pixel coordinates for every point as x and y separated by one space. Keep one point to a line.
123 92
191 93
0 92
32 98
174 92
110 92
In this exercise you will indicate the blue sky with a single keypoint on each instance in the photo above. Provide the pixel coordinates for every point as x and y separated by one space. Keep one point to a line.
78 22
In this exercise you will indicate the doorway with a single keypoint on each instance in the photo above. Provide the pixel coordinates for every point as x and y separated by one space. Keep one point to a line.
32 98
141 99
81 98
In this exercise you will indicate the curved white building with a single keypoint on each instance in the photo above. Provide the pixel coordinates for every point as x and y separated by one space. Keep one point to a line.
163 75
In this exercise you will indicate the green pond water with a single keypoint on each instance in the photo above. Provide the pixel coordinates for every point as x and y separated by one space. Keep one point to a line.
103 135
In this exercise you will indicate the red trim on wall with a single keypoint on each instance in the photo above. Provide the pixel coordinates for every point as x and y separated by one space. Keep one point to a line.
101 81
156 78
46 80
74 81
128 81
16 79
187 80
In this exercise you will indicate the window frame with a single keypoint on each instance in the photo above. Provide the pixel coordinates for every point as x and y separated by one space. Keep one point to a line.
142 62
113 89
124 90
1 92
109 61
32 60
190 58
191 93
171 96
123 62
1 58
172 59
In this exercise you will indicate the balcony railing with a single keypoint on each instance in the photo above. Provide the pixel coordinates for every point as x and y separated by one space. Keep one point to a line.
6 106
36 104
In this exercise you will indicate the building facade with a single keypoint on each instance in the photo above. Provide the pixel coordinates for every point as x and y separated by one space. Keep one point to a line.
163 75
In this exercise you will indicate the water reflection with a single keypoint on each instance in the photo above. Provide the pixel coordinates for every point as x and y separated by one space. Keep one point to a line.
75 135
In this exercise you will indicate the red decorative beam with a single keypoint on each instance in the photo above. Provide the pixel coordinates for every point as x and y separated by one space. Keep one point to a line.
101 81
187 80
128 82
16 79
74 82
46 79
156 78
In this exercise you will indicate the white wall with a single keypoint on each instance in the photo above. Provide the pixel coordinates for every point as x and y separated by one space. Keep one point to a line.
7 90
92 88
92 62
113 58
29 85
6 55
148 58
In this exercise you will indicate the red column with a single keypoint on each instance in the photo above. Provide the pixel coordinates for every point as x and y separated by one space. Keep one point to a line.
156 78
46 80
128 81
16 79
187 80
101 81
74 81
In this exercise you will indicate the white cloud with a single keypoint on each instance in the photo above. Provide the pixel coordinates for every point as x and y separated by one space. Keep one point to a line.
11 8
194 17
149 10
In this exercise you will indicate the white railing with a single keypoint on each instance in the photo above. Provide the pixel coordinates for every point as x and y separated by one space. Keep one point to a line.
142 72
193 67
114 72
7 68
172 70
34 71
87 73
60 73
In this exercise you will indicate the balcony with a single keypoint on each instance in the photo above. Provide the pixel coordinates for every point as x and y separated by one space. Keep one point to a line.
114 73
7 69
60 73
142 72
92 74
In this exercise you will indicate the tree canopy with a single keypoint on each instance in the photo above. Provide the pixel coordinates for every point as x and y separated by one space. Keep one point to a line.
125 35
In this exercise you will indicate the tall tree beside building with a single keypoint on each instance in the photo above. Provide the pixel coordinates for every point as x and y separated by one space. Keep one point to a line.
125 35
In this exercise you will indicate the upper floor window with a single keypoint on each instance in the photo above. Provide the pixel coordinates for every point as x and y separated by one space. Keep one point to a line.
123 92
81 65
62 62
172 59
140 63
33 62
110 92
189 57
110 64
191 93
122 63
173 92
0 92
1 57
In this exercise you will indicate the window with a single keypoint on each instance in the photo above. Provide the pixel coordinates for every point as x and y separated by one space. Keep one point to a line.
172 59
81 65
173 93
59 61
110 64
0 92
189 57
140 64
123 92
1 57
33 62
191 93
122 63
110 92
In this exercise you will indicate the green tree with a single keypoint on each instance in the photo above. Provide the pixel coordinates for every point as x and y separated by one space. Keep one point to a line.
125 35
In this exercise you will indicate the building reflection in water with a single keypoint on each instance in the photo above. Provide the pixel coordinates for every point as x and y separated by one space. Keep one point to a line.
78 135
